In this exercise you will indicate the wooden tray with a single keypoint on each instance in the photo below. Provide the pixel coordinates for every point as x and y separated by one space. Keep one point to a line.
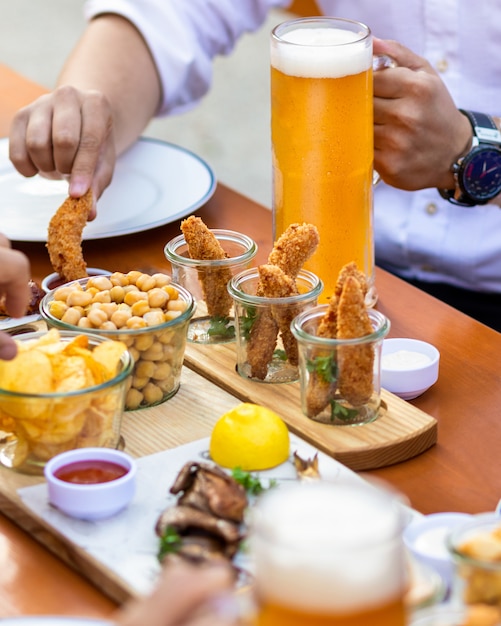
400 433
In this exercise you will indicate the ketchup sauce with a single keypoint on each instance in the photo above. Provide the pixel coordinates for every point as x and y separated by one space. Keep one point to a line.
90 472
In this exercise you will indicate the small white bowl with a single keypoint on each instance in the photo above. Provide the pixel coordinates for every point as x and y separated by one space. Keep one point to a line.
425 538
408 367
51 281
95 500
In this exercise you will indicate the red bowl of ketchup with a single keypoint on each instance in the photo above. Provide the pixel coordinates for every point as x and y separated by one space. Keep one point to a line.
91 483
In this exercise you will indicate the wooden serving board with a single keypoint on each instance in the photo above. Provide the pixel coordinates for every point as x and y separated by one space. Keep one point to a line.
401 432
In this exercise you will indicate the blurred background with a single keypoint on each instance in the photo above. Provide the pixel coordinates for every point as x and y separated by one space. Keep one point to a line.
229 128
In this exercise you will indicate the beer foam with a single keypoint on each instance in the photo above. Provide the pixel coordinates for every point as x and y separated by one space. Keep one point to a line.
329 548
321 53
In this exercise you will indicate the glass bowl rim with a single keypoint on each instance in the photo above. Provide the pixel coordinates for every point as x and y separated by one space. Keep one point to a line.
125 359
316 288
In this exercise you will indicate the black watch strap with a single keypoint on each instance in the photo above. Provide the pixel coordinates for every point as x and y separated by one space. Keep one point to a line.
484 127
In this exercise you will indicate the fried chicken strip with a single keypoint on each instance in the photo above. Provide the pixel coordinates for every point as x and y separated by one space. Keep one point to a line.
263 336
350 269
64 241
321 388
294 247
355 362
203 245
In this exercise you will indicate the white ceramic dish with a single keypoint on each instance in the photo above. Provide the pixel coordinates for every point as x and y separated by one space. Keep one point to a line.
93 501
408 367
51 281
425 538
154 183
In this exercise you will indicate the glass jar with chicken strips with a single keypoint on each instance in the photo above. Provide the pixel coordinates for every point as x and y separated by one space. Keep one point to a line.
340 378
150 314
51 400
207 279
475 549
266 349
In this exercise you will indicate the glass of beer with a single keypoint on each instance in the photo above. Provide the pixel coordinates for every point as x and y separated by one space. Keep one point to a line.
322 140
329 553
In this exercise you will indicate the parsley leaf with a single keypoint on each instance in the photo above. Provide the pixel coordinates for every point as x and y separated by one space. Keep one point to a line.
221 327
250 482
324 366
343 413
170 542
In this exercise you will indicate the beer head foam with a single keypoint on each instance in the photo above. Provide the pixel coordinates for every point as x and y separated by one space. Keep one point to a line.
321 52
328 547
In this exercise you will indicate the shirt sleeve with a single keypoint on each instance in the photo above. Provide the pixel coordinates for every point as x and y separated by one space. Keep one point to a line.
185 35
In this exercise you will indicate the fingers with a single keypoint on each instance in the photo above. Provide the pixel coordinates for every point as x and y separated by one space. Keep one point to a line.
68 133
14 280
402 56
8 348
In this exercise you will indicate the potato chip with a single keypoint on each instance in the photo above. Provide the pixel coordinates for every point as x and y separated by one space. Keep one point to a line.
109 354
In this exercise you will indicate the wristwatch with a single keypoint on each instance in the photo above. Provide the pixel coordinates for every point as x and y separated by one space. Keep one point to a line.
478 173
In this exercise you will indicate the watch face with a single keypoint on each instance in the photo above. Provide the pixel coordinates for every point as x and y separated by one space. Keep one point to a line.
481 177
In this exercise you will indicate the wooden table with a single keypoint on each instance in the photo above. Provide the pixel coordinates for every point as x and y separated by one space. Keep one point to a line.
458 474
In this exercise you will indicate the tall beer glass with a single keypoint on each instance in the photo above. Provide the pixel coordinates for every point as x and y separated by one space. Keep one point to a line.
328 555
322 140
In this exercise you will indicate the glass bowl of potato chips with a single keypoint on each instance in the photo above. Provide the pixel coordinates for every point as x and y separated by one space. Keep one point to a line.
149 313
63 390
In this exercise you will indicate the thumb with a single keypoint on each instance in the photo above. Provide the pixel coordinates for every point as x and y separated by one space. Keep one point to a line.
402 56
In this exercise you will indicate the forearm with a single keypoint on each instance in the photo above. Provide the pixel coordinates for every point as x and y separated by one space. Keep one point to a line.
113 58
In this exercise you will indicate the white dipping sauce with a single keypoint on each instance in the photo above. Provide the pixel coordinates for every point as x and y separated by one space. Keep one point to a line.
432 542
404 360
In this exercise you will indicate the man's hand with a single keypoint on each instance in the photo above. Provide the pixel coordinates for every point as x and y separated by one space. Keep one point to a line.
418 130
14 279
66 134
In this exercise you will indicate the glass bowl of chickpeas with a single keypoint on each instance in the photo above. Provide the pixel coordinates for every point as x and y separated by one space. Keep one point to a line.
148 312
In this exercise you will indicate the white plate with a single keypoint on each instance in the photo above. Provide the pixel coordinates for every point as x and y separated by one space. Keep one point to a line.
154 183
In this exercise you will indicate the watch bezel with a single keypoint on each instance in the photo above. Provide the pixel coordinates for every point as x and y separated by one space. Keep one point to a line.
476 196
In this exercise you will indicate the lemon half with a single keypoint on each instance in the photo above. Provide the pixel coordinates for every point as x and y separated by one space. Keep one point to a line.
251 437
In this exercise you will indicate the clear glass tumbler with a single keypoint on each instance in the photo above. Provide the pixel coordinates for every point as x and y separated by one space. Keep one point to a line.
340 378
207 281
266 349
328 553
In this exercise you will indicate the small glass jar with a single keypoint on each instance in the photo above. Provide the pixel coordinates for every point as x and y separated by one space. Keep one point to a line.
340 378
157 349
266 348
206 280
475 549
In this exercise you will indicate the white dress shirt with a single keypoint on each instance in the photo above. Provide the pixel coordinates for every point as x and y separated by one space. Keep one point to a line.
418 234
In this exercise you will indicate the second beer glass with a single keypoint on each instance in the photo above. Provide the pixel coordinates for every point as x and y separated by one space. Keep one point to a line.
322 140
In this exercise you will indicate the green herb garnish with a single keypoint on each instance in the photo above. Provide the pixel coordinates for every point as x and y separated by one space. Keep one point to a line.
247 321
343 413
221 327
170 542
324 366
281 355
250 482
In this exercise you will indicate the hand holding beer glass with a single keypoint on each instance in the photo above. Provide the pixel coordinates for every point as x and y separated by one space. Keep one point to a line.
328 554
322 140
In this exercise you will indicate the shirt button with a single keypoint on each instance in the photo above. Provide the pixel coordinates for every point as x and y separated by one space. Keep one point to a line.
431 209
442 65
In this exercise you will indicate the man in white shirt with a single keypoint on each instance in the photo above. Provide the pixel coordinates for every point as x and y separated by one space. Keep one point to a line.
140 58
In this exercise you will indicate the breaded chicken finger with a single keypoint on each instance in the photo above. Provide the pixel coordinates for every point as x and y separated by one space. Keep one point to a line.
322 381
64 240
294 247
276 284
355 362
203 245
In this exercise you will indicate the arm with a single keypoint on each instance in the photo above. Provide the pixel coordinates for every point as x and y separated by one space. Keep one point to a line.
107 93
